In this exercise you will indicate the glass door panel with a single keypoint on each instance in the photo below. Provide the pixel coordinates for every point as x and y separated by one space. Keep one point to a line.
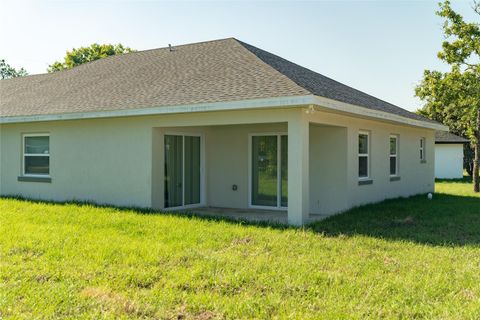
284 171
269 171
264 171
192 170
173 171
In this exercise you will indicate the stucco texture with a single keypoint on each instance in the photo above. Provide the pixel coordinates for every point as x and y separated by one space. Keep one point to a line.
119 161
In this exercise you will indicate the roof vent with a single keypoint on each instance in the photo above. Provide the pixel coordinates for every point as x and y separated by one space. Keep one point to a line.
171 48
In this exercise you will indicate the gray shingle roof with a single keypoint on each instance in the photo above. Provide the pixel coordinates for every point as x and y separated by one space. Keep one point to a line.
213 71
447 137
320 85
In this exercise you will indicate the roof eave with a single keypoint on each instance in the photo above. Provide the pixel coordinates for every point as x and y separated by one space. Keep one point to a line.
375 114
277 102
452 142
288 101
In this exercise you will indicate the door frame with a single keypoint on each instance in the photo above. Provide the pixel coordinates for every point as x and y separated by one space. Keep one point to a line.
203 195
279 171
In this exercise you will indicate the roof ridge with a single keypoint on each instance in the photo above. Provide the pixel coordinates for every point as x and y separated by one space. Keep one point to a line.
317 83
296 64
245 46
121 55
209 71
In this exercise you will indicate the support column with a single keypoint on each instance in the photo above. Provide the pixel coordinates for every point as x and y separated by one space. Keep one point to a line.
298 171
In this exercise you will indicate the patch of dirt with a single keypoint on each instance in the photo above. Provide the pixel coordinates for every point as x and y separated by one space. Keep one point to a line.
390 261
142 283
207 315
242 241
26 253
41 278
468 294
183 314
116 302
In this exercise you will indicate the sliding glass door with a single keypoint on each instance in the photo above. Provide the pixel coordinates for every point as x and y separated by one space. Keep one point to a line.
269 171
182 170
191 190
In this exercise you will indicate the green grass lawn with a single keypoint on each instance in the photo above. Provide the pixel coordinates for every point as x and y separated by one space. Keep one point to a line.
409 258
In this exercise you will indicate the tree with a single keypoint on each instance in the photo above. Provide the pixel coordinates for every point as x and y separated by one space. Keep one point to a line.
453 97
7 71
86 54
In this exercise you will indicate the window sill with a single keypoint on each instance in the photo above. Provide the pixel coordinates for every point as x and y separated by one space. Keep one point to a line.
395 178
365 182
423 161
34 179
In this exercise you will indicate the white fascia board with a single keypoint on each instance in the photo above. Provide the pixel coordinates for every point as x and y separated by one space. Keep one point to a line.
201 107
376 114
279 102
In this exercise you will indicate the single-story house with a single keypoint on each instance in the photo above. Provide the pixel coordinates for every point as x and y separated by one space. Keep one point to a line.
218 124
449 155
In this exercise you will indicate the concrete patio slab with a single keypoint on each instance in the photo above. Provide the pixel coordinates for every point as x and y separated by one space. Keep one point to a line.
251 215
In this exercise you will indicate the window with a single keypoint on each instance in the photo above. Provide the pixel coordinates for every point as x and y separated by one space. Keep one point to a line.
36 155
422 149
363 155
393 155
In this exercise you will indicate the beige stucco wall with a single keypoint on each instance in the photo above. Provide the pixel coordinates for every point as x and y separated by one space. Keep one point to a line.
415 177
114 161
120 161
228 158
0 159
102 161
328 169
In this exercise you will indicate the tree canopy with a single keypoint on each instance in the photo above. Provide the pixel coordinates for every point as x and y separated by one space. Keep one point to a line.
7 71
78 56
450 99
453 97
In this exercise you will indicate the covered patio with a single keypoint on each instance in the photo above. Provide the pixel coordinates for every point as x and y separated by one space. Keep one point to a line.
283 169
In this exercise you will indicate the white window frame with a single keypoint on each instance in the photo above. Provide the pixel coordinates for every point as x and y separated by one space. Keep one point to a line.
279 173
29 135
367 155
393 155
423 141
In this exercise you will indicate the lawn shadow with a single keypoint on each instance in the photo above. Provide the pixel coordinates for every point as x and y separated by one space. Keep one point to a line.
446 220
464 180
149 211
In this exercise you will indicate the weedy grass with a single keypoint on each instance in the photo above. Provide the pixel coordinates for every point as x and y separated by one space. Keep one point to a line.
403 258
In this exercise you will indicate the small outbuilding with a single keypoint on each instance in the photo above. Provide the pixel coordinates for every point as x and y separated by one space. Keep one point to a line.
448 155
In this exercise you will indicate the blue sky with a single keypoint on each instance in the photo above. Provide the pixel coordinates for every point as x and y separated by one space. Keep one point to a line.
380 47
